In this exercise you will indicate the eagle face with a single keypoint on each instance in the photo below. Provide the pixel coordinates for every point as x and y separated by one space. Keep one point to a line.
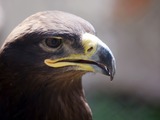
42 62
55 42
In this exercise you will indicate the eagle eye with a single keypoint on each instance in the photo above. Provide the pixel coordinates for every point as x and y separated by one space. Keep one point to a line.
54 42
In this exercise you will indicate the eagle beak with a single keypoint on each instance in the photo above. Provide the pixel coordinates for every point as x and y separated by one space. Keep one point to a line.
99 53
105 61
97 57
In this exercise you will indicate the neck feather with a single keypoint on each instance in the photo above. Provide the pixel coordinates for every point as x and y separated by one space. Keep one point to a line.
61 98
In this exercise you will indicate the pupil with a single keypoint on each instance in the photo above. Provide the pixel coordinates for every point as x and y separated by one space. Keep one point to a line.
53 42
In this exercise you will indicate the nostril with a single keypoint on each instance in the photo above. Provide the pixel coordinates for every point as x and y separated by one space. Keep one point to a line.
90 49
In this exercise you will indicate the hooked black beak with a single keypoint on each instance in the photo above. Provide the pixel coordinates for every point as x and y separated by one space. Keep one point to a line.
105 61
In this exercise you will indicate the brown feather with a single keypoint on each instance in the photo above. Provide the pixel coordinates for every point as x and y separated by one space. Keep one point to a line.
30 90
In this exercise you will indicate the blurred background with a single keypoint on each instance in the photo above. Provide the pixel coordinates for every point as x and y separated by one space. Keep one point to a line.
131 28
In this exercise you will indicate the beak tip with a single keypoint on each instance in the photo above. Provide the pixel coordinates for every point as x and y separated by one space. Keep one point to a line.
111 77
112 70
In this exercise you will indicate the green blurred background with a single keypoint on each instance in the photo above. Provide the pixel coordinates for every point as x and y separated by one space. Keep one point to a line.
131 28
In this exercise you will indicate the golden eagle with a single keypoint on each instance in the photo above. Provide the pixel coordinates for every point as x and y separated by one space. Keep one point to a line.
42 62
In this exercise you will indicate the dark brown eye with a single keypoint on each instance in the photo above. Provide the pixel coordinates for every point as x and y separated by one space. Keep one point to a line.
53 42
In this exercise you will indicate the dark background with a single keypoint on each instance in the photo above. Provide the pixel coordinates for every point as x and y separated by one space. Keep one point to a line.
131 28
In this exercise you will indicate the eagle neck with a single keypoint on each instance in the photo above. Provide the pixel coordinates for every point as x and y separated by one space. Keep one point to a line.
31 98
70 101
